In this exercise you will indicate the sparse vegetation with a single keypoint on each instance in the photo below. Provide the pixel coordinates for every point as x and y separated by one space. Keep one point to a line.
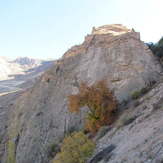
100 102
144 90
11 152
147 97
138 93
70 130
11 145
76 148
125 119
13 135
157 48
135 94
103 131
52 148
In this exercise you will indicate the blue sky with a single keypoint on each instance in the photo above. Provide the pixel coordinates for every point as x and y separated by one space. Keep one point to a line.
47 28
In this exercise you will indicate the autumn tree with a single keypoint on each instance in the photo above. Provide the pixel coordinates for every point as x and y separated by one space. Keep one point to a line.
100 102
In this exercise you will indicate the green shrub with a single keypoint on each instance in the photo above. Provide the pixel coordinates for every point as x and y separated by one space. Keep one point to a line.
70 130
103 131
13 136
11 152
76 148
157 48
52 148
135 94
125 119
138 93
143 91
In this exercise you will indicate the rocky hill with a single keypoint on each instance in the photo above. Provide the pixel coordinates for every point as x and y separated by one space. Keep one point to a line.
112 52
137 136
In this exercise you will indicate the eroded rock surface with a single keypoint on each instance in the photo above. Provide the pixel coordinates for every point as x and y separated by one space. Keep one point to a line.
139 141
7 102
111 52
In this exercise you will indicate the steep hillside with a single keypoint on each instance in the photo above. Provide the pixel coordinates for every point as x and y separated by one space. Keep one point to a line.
137 136
41 116
7 102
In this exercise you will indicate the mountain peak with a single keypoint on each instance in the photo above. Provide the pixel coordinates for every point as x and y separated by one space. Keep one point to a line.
106 33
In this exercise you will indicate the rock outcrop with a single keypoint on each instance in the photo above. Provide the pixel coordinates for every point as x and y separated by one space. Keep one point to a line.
139 141
112 52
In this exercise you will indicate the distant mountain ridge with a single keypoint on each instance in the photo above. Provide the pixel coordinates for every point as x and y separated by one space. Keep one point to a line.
8 67
20 71
28 61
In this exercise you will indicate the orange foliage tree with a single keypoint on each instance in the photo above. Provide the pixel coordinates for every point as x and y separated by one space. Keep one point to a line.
100 102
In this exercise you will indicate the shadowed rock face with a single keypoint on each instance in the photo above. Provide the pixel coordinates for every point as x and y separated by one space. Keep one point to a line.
7 102
121 58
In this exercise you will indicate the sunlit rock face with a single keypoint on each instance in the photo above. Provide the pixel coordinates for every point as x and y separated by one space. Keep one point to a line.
115 52
105 33
112 52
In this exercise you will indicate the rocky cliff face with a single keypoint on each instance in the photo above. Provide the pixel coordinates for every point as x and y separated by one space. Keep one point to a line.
112 52
140 140
7 102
